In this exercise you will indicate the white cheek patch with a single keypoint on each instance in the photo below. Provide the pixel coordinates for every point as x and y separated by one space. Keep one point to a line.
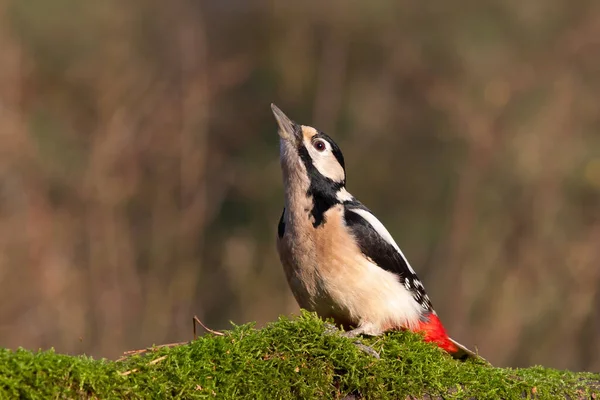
385 235
324 161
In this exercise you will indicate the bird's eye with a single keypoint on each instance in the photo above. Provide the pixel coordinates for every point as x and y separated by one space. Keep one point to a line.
319 145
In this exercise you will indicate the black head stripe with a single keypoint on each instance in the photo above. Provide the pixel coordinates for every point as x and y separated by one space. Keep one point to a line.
323 190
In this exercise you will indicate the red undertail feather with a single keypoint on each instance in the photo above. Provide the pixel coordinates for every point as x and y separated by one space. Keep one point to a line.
435 333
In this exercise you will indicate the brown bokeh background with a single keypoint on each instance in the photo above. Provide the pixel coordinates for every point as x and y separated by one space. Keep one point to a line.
140 183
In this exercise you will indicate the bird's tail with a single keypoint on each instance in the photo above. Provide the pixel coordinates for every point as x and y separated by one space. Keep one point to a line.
462 353
434 332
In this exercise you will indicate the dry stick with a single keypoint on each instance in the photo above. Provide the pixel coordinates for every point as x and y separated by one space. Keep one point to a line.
129 353
154 348
159 359
195 321
128 372
194 318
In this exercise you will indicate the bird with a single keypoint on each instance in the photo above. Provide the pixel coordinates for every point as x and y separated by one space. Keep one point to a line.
339 260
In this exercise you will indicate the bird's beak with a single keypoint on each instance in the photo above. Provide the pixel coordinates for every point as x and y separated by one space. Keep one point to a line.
288 129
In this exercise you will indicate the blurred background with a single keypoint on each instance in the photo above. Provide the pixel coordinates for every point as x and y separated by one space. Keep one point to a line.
140 181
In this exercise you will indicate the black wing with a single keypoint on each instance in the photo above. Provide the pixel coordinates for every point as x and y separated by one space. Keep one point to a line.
281 225
383 253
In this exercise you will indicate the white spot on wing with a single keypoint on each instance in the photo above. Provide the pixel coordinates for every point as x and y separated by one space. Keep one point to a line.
380 229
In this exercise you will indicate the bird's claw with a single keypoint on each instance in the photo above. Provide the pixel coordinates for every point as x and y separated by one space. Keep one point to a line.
331 329
367 349
351 334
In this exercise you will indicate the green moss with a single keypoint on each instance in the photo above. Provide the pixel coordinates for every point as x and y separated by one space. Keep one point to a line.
289 359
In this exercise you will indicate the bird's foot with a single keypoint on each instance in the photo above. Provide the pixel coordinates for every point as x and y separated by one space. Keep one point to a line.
354 332
367 349
331 329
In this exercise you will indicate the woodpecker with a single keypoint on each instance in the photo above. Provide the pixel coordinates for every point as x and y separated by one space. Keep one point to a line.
339 259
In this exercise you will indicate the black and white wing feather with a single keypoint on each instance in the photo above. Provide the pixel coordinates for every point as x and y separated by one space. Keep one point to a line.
376 243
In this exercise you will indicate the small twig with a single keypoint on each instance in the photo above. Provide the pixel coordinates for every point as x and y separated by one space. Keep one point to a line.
130 353
160 346
154 348
196 320
128 372
159 359
131 371
194 327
